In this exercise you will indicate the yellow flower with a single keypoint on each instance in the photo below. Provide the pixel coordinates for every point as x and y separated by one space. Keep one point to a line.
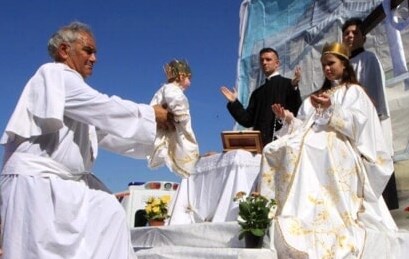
157 207
165 199
156 202
150 200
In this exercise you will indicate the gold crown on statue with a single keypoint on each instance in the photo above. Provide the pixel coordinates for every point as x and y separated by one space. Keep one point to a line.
336 48
176 68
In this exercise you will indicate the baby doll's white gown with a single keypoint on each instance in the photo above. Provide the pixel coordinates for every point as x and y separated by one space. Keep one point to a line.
178 149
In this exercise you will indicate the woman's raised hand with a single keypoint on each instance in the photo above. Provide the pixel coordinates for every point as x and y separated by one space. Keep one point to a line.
281 113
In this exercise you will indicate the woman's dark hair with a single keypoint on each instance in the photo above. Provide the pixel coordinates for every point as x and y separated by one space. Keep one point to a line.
348 76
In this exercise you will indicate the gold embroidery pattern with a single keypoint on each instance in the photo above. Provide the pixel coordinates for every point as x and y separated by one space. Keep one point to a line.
317 209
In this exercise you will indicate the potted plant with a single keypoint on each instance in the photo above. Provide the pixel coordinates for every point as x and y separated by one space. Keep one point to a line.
255 215
156 209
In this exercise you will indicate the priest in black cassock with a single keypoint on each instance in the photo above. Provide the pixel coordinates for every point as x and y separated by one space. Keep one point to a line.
276 90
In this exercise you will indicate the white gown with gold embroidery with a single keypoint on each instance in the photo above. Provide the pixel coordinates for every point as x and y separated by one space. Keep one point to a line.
371 76
327 173
177 149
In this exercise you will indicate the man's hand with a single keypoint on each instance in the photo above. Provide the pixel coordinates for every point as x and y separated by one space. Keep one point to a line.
231 96
297 77
164 119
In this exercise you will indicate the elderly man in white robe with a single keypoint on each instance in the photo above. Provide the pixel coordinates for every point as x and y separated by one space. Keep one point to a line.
371 76
48 208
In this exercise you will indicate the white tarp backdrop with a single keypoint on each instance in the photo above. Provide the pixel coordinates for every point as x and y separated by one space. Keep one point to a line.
298 29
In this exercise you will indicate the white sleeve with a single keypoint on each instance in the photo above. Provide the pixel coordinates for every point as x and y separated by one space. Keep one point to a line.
177 103
113 115
356 118
373 79
125 147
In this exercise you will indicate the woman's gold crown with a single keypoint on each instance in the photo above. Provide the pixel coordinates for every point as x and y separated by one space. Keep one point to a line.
176 68
336 48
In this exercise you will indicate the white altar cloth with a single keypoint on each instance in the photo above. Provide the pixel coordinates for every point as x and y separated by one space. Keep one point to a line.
196 241
220 240
207 195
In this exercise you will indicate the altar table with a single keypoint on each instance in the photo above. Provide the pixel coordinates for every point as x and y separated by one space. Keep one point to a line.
207 194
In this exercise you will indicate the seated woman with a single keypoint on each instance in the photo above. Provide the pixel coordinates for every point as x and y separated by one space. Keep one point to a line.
328 168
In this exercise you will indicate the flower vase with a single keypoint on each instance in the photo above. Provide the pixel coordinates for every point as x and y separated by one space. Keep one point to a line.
156 222
252 241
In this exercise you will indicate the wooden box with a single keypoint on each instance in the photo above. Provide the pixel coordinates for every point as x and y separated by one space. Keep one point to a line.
249 140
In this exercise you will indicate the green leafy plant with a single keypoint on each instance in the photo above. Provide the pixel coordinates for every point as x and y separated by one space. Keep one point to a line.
157 207
255 213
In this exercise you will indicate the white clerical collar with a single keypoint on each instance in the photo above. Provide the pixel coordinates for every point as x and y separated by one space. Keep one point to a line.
276 73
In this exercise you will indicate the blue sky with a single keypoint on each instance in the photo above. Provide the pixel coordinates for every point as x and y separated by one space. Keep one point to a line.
135 38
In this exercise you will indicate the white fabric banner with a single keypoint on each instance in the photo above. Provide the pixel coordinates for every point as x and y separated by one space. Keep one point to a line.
298 30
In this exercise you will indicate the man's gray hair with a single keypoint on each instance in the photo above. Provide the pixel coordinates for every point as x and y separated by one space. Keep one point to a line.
67 34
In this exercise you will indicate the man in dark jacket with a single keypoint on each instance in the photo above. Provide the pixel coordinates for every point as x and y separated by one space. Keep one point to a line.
277 89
